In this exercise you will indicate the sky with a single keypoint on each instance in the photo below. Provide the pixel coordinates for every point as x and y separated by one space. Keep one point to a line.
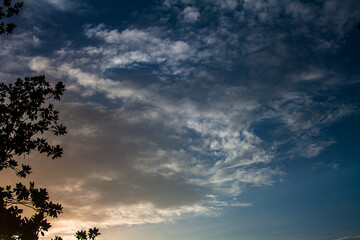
198 120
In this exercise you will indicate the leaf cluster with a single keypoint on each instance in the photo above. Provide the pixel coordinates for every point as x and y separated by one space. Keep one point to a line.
12 225
91 235
8 10
24 115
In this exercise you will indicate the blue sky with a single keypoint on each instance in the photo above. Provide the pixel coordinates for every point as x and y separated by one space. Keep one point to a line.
216 119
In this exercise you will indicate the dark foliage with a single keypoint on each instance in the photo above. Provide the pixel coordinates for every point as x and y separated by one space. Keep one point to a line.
8 10
91 235
24 116
12 225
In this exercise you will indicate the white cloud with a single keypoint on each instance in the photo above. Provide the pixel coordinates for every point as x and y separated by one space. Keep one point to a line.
190 14
129 48
121 215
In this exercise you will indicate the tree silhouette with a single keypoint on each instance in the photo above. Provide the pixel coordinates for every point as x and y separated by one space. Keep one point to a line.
24 119
26 114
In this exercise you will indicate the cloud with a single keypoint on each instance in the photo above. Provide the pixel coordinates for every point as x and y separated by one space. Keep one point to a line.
133 48
178 118
349 238
61 5
118 215
228 4
134 176
211 117
190 14
183 129
15 53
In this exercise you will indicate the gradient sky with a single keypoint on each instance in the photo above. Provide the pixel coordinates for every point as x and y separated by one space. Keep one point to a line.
199 120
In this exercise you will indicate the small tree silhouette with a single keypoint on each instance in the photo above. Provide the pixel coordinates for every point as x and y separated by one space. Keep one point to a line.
24 116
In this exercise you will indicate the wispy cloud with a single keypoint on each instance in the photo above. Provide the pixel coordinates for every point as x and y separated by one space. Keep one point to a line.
349 238
133 48
61 5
